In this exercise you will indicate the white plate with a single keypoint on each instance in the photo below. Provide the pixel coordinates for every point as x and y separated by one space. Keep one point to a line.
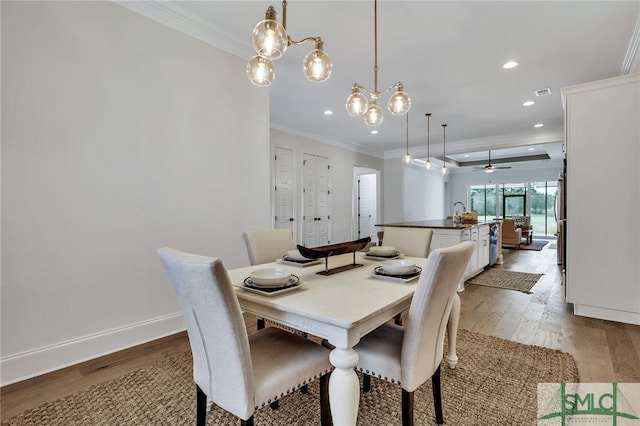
396 279
370 256
286 261
270 277
382 250
270 292
295 255
398 266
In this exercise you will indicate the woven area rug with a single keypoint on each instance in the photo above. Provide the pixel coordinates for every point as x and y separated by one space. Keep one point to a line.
503 278
494 384
536 245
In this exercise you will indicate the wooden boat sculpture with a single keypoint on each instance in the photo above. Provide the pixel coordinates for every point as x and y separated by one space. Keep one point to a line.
334 250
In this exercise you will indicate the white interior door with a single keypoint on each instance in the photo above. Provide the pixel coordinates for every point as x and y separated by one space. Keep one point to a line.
366 205
315 196
322 201
283 189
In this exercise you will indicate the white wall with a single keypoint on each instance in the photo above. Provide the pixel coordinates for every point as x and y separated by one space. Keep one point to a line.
119 136
341 162
392 190
411 193
423 194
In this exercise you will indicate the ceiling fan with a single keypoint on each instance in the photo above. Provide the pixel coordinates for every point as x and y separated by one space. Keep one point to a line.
490 168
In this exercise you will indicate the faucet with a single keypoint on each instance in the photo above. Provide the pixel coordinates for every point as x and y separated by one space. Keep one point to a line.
464 209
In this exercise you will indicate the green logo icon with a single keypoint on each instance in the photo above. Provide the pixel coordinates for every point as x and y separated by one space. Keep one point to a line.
572 404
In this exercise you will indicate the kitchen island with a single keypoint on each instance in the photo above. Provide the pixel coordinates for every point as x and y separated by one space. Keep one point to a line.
448 233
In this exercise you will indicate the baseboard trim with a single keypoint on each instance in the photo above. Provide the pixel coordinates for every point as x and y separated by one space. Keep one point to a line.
607 314
32 363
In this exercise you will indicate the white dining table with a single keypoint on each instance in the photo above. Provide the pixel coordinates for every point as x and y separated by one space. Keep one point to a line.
340 308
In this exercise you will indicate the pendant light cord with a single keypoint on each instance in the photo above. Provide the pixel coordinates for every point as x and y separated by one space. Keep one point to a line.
375 47
407 133
428 131
444 145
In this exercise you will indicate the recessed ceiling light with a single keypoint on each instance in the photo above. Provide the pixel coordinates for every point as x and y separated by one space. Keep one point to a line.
531 149
528 103
328 112
538 125
509 65
466 156
374 132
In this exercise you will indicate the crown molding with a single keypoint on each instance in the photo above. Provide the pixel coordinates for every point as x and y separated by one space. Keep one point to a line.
361 149
482 144
631 60
173 16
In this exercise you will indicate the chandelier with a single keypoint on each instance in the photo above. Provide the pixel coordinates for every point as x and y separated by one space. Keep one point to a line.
358 105
270 41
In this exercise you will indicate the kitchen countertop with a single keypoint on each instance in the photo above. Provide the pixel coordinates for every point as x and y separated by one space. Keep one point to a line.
436 223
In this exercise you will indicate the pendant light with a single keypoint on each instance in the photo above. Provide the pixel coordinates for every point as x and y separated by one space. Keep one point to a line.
444 171
407 157
427 164
270 40
357 103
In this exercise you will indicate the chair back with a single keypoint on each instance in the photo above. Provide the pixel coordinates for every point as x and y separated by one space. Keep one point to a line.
508 228
522 221
423 341
414 242
267 245
219 343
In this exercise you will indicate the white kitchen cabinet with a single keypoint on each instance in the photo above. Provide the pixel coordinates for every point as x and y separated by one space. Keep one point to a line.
484 248
602 145
477 234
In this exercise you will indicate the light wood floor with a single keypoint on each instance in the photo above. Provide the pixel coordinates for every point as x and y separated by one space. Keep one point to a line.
604 351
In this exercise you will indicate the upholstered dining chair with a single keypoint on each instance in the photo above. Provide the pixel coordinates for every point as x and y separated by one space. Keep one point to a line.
511 235
240 373
415 242
267 245
409 355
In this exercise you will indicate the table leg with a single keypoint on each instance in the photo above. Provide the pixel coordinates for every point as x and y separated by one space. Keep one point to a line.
452 331
344 387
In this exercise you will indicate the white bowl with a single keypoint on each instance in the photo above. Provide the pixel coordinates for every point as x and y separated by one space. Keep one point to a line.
295 255
270 277
399 266
382 250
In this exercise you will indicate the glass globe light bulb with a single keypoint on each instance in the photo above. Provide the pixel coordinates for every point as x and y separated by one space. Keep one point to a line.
357 104
406 159
490 169
444 171
399 102
428 165
317 65
269 37
373 116
260 71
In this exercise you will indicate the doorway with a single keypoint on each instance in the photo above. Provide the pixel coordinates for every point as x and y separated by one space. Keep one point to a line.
365 203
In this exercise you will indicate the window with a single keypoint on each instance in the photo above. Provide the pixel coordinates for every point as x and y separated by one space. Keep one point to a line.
535 199
543 195
483 200
514 199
